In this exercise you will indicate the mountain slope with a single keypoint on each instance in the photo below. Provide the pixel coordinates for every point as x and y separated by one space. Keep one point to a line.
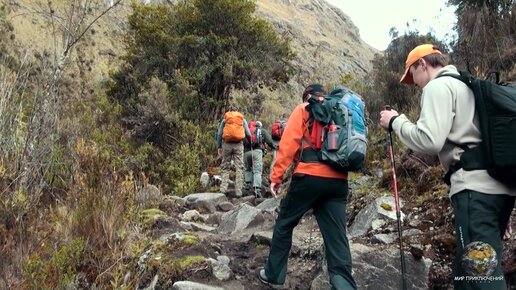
326 41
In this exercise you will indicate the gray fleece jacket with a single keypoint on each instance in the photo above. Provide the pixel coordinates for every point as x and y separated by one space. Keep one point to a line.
448 118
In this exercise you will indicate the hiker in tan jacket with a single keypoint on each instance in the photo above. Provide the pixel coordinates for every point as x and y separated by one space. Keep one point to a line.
448 122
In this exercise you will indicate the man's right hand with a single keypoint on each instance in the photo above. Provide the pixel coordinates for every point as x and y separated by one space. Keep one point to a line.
219 153
385 117
275 189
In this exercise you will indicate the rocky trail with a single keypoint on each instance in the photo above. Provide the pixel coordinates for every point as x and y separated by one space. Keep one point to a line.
232 235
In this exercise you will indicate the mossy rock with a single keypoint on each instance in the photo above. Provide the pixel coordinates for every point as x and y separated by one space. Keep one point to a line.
149 215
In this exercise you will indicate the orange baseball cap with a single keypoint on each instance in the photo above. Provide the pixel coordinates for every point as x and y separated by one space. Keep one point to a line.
414 55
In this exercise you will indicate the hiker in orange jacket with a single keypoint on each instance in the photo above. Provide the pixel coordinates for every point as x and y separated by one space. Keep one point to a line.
233 129
314 186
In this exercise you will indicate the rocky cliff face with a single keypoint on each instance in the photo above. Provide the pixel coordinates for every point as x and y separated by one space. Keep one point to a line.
325 39
326 42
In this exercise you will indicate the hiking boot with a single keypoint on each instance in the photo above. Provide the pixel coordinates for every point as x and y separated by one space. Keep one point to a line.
247 186
263 278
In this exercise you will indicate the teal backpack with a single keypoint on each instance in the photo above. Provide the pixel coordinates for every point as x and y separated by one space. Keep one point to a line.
338 130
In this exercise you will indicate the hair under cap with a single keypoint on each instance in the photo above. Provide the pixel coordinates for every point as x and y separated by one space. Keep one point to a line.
413 56
314 89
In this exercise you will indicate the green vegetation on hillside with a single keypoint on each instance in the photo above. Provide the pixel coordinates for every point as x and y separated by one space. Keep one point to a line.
182 63
202 50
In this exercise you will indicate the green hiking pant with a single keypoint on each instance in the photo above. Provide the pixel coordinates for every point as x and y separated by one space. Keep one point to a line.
327 197
480 217
253 164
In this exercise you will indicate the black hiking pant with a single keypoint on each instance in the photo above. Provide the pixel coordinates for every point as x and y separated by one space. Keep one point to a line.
480 217
327 197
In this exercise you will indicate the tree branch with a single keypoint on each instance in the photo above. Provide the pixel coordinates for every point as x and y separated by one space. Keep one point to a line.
71 44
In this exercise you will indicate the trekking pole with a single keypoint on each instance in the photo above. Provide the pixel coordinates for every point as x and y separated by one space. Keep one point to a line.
251 183
397 206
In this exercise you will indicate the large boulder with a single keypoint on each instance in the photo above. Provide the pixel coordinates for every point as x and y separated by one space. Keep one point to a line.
242 217
380 268
204 202
381 209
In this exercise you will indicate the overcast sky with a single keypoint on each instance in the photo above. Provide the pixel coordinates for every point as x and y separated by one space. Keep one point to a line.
375 18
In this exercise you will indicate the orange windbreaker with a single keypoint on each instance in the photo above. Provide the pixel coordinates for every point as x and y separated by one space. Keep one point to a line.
290 146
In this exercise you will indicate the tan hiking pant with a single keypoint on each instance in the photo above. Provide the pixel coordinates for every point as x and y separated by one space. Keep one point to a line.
232 152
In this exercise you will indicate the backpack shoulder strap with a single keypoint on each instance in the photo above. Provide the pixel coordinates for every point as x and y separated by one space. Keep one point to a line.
463 77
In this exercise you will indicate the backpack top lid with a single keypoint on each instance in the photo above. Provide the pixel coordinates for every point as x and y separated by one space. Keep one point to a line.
340 90
322 109
234 117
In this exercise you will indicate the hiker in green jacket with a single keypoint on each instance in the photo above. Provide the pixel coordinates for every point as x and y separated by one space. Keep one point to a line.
482 205
253 157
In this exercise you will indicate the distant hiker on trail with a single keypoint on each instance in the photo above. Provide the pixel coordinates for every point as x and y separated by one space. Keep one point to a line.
232 131
316 186
253 157
447 126
276 132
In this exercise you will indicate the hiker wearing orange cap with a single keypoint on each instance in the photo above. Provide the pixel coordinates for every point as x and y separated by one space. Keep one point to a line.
447 126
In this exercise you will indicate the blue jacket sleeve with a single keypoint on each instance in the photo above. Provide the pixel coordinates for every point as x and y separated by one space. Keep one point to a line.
219 133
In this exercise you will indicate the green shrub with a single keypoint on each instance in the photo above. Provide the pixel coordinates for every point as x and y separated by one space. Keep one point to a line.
183 170
56 272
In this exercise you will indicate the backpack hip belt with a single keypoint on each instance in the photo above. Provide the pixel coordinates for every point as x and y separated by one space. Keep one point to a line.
310 155
471 159
234 142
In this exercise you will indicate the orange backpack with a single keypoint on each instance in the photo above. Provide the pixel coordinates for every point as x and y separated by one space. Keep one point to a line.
234 127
